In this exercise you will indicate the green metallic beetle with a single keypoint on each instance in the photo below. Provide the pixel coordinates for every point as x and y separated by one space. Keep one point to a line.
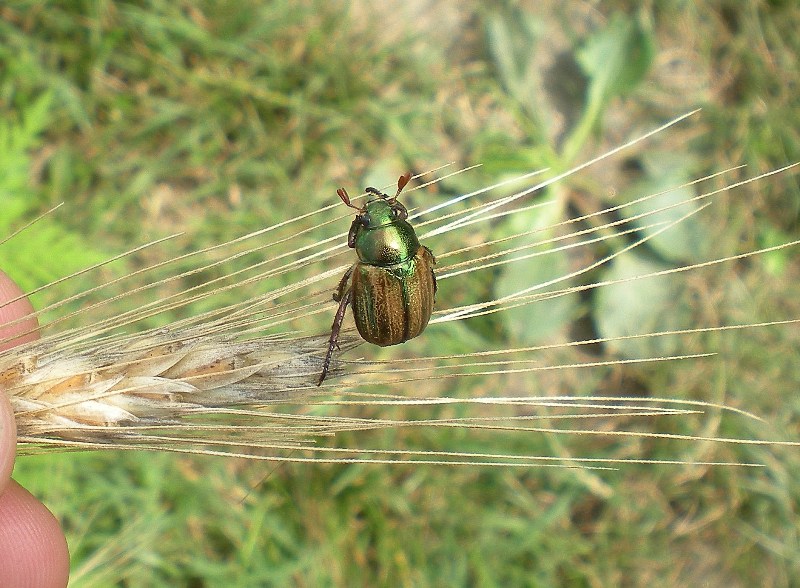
392 285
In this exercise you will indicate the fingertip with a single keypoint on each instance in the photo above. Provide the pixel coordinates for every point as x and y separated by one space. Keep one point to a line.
14 306
8 440
33 550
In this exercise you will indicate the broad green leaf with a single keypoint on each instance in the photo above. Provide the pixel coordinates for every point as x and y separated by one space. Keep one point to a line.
640 305
536 322
687 239
616 59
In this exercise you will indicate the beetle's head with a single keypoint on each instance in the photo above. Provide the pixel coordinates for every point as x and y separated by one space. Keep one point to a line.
380 210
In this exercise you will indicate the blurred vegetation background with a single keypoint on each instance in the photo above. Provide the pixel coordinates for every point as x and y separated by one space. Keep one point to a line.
218 118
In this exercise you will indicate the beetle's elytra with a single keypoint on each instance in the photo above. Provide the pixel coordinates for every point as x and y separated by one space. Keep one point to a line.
391 287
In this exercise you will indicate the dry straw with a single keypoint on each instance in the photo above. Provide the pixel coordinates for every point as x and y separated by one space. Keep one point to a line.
239 379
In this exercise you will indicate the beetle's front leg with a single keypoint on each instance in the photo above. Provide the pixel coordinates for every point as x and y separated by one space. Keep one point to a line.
342 296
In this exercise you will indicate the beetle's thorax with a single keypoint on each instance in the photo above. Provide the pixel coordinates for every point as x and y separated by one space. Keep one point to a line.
383 239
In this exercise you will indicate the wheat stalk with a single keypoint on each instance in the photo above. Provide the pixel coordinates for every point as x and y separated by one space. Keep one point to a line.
222 381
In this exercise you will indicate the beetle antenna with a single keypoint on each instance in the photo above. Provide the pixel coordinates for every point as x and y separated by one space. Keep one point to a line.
346 198
401 183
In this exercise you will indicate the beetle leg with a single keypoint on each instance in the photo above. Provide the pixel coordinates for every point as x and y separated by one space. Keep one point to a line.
351 236
335 328
337 296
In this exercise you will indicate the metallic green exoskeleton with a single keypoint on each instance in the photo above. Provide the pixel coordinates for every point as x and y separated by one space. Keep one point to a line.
392 285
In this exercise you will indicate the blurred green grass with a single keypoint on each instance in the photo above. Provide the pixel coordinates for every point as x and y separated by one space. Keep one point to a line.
148 118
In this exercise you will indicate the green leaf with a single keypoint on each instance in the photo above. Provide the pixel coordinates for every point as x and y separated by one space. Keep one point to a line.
616 59
640 305
687 239
537 321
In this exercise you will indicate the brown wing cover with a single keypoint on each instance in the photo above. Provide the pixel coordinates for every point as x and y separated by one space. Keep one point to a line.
393 304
